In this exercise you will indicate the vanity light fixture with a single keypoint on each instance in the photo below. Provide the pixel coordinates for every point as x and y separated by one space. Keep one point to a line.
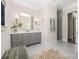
23 14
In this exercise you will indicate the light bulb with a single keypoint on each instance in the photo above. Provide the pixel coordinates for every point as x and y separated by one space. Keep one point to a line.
16 16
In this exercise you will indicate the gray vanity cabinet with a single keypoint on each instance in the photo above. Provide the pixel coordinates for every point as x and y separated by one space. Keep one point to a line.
25 39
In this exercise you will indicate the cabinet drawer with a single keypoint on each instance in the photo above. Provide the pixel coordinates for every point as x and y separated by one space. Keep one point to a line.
14 36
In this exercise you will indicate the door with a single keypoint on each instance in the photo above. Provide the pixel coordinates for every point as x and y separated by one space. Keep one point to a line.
70 27
75 27
59 25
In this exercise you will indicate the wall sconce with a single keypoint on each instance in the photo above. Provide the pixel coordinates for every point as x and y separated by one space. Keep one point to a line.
16 18
36 21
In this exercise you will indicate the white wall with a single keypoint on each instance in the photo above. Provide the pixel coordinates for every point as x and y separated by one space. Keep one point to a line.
5 41
5 33
70 8
52 13
45 13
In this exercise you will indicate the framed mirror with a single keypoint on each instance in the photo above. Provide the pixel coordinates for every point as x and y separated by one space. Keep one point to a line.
27 21
52 24
22 22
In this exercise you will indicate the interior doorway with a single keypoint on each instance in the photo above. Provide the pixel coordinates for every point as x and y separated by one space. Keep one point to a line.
59 25
72 27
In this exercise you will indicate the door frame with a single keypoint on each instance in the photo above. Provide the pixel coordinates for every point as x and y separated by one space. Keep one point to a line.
74 38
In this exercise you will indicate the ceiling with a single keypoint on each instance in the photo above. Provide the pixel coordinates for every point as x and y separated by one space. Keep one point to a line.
63 3
37 4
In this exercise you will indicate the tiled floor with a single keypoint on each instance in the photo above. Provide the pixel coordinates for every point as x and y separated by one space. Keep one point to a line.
68 49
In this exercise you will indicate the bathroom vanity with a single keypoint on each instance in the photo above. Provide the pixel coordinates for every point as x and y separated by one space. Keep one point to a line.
26 38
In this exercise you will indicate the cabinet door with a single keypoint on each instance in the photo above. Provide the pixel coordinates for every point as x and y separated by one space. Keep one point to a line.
32 40
20 39
39 37
36 37
16 40
26 38
13 40
14 37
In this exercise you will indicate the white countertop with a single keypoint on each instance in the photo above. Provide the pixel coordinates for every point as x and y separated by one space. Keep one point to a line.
24 32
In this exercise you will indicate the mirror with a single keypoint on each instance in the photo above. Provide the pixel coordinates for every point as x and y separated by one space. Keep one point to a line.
52 24
27 21
22 22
